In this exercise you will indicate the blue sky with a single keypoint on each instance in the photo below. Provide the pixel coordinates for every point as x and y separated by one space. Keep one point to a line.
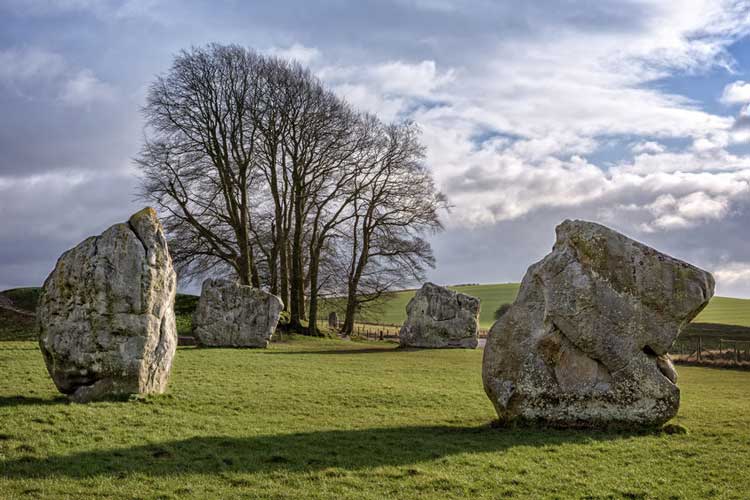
630 113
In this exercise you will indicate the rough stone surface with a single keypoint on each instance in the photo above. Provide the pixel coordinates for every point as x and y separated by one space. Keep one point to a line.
106 313
585 343
233 315
438 317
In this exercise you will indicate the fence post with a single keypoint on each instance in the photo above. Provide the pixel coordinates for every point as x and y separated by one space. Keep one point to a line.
700 347
381 334
736 353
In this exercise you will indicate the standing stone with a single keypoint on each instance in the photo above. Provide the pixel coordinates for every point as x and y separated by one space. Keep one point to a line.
586 341
438 317
333 320
106 313
234 315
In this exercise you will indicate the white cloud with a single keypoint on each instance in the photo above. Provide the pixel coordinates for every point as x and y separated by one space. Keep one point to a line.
647 147
419 80
736 93
41 74
550 100
85 88
732 273
298 52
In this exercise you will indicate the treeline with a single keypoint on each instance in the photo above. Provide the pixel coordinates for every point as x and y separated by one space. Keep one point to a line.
261 172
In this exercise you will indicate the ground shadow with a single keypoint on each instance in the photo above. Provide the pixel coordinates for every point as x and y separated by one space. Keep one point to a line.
346 449
364 350
6 401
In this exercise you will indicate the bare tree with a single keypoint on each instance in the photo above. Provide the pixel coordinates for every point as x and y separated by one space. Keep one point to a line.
198 161
262 173
394 209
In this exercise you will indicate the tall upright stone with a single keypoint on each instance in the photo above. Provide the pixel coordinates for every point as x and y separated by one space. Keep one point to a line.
438 317
234 315
333 320
106 313
586 341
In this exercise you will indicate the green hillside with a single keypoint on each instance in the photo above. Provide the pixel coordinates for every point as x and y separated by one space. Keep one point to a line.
726 310
721 310
393 311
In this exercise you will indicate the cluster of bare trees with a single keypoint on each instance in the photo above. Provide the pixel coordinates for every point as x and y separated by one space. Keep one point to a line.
263 173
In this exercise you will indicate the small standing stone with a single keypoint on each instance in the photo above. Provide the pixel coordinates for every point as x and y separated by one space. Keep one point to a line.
106 313
438 317
234 315
333 320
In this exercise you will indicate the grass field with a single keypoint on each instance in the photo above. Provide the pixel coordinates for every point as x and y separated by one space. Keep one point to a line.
331 419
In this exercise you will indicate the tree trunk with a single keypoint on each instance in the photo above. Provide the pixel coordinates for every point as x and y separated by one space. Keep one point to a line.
312 315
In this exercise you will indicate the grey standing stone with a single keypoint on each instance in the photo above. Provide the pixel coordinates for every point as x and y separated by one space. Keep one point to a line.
586 341
234 315
333 320
106 313
438 317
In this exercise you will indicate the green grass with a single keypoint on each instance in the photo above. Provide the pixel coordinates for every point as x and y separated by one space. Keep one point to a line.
328 419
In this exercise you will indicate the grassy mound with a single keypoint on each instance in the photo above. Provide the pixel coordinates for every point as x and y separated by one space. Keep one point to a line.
315 418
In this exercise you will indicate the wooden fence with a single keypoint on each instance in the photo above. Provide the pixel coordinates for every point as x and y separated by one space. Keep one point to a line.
711 351
702 350
381 331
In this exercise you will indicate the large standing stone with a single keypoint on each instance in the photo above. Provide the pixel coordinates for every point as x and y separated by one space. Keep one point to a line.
586 341
233 315
438 317
106 313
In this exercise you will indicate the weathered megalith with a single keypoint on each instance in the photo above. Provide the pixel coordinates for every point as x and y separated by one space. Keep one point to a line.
585 343
333 320
106 313
438 317
234 315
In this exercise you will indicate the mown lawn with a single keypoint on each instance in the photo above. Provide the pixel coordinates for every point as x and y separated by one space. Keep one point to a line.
331 419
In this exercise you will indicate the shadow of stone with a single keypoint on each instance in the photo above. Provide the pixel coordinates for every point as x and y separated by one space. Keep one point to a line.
364 350
6 401
299 452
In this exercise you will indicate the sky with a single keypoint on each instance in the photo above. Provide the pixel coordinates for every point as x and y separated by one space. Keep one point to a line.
634 114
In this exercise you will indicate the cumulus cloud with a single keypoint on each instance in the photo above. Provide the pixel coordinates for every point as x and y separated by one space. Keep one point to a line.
733 273
35 73
548 102
736 93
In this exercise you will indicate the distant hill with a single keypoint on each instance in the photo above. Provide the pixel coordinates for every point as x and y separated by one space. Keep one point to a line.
720 311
